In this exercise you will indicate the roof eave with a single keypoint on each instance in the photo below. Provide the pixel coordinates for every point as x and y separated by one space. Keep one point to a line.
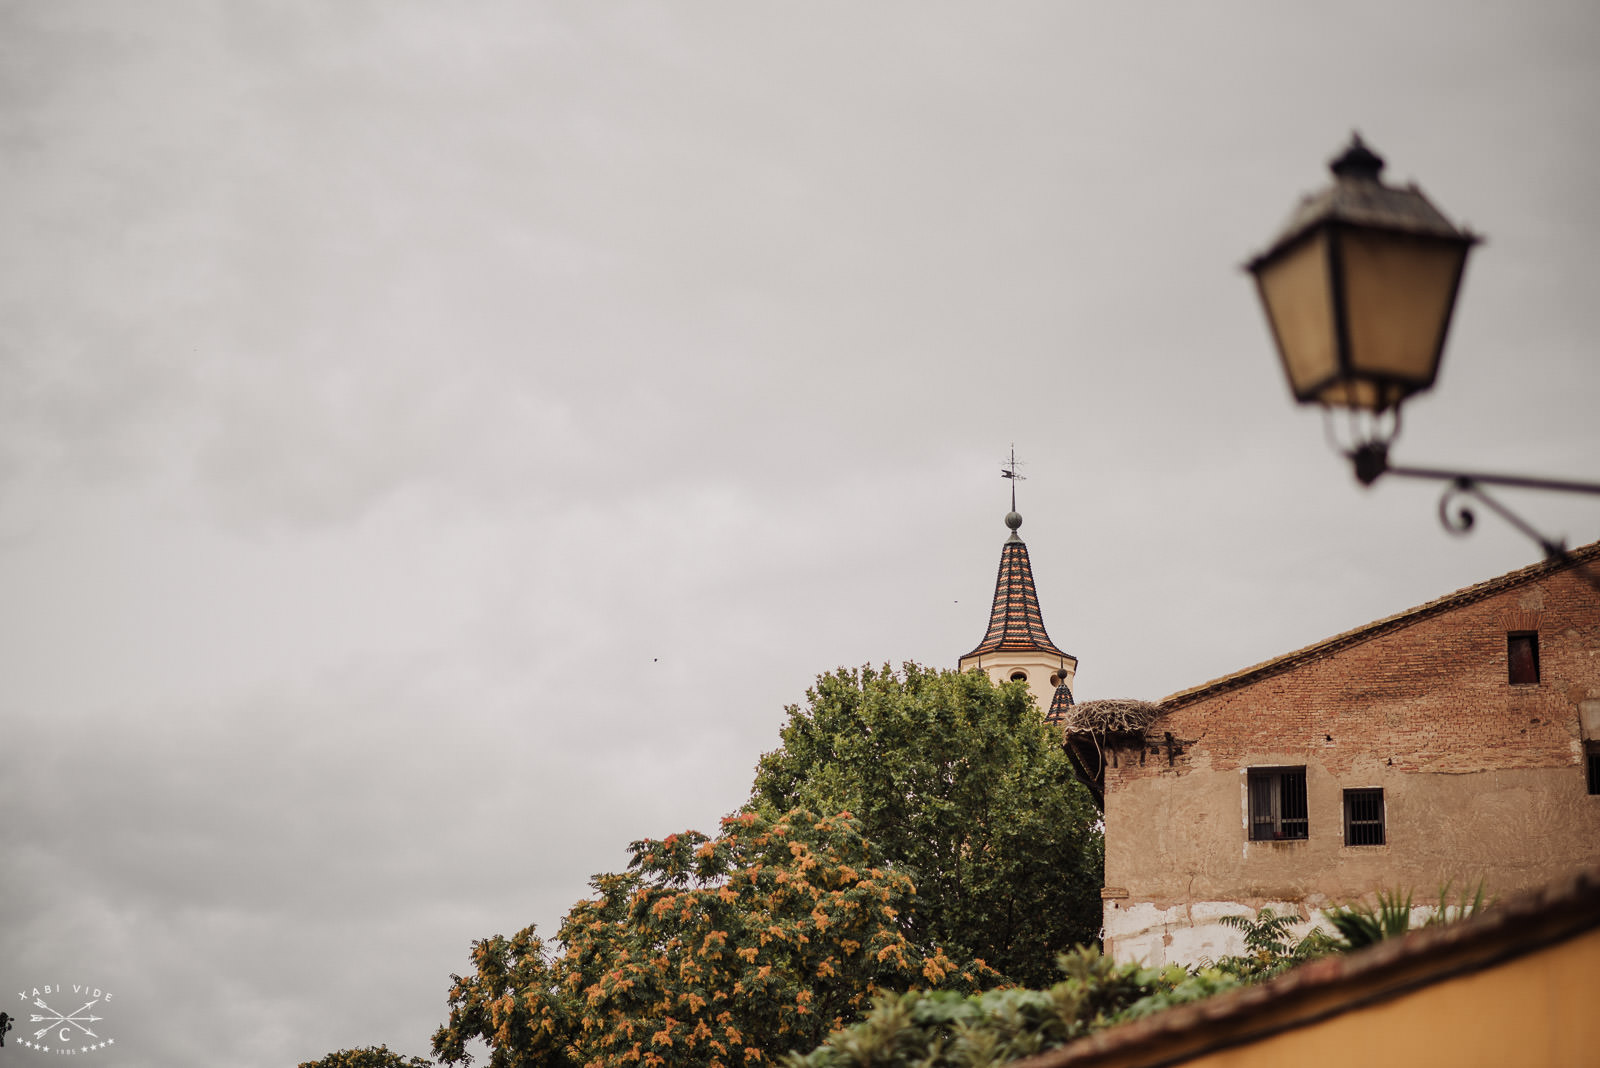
1477 592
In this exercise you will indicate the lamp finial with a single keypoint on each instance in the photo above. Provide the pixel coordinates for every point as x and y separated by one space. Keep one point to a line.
1357 161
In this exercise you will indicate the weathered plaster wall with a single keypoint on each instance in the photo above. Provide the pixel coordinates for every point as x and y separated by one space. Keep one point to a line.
1482 779
1187 933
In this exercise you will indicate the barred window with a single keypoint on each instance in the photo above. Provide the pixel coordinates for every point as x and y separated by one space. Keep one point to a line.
1522 657
1278 804
1363 817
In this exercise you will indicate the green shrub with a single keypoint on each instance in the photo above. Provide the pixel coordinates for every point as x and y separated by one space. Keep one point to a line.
1270 948
1361 925
947 1030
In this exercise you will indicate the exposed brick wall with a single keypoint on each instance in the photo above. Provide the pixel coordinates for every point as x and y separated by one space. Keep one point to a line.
1481 778
1429 696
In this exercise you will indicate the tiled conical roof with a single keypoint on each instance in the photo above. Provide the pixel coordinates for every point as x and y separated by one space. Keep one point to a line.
1015 624
1060 704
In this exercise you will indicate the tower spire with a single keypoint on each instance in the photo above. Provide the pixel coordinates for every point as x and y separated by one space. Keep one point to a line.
1016 647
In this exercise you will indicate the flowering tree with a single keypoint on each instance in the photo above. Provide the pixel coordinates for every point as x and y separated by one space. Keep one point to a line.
719 951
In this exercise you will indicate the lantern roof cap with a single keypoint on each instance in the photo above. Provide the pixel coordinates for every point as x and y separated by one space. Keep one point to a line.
1359 197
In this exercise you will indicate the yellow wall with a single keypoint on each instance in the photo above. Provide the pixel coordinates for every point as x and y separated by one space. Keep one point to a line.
1535 1011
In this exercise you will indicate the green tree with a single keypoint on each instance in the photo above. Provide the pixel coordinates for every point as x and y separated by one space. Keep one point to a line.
718 951
964 787
946 1030
367 1057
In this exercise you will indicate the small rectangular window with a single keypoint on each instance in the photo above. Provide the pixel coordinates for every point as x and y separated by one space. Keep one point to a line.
1591 759
1522 657
1363 817
1277 804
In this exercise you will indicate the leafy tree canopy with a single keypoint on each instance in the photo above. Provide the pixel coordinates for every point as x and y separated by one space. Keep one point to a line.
963 786
946 1030
707 952
367 1057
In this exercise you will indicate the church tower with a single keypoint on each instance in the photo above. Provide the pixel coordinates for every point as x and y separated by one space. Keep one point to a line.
1016 646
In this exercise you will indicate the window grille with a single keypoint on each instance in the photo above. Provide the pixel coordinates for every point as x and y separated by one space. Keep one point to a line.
1278 804
1522 657
1363 817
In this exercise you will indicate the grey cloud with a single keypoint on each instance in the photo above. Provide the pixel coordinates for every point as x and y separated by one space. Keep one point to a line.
434 445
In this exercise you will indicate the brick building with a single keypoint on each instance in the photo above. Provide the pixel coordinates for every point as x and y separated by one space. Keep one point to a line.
1459 740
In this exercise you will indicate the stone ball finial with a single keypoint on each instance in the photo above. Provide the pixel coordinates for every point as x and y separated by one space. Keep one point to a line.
1013 520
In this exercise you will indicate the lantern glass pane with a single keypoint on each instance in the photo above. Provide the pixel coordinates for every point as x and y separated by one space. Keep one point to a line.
1294 288
1398 293
1356 393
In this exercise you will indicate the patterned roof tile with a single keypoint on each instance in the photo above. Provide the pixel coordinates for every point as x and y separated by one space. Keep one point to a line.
1015 623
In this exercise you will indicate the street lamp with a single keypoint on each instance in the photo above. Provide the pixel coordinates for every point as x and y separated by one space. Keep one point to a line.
1359 288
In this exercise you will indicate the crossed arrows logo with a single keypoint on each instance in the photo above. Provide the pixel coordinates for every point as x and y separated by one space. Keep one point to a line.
57 1019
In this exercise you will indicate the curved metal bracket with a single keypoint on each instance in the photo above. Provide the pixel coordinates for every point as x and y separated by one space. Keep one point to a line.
1461 521
1464 490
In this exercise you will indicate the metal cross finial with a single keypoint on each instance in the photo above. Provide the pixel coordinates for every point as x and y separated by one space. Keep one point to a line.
1009 470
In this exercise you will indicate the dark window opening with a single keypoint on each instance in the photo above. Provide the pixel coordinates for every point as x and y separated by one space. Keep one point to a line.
1019 676
1278 804
1363 817
1522 658
1591 758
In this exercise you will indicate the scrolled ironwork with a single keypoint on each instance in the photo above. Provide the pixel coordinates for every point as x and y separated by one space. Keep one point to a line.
1464 492
1455 515
1370 462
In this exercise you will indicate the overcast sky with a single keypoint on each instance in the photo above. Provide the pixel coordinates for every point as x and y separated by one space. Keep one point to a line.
437 440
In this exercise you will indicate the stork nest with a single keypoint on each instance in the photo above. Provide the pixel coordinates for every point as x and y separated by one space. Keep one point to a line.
1109 717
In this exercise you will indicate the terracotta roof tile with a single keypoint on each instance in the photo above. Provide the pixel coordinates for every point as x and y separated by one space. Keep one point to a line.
1478 592
1015 623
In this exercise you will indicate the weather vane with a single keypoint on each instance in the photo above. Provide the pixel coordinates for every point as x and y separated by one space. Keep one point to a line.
1009 470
